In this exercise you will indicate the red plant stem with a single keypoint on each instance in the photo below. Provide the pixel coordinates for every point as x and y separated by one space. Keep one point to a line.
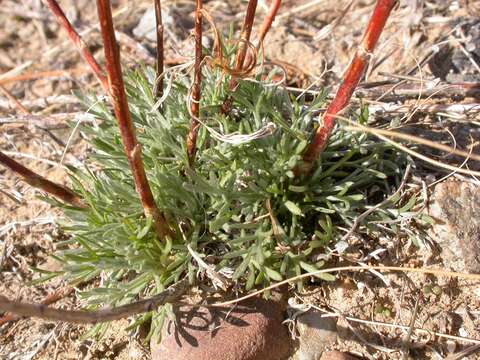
241 52
197 79
127 131
77 41
352 78
245 35
267 22
39 182
160 49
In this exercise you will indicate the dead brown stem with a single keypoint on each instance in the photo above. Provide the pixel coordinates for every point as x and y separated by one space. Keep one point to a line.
77 41
170 295
267 22
49 299
127 130
197 79
159 24
39 182
347 87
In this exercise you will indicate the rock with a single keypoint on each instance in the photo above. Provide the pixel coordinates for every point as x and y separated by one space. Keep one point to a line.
283 45
316 333
146 27
177 19
252 330
456 209
337 355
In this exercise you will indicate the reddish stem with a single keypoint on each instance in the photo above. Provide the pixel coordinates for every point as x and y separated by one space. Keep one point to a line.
160 49
245 35
352 78
39 182
127 131
77 41
267 22
197 79
241 51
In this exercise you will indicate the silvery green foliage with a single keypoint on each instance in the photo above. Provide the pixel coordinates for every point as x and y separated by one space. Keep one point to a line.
240 207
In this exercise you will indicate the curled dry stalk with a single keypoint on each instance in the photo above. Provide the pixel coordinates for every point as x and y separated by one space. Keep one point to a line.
241 54
160 49
351 79
37 181
77 41
197 79
245 37
132 148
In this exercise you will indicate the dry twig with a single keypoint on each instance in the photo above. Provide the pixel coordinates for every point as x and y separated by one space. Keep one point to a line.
39 182
52 122
42 75
77 41
48 300
455 91
415 139
402 327
412 152
173 293
170 295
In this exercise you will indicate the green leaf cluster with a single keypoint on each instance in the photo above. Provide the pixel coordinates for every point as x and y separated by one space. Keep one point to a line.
241 207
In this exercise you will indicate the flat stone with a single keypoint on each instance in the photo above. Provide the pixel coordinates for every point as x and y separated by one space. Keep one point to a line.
316 333
456 210
176 18
252 330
